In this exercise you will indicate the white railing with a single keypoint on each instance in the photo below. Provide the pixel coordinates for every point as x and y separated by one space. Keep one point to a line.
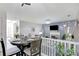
56 47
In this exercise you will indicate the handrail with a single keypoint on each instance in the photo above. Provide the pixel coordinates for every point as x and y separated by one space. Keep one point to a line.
63 41
49 46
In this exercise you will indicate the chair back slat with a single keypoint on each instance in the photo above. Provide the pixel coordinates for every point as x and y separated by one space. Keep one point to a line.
36 46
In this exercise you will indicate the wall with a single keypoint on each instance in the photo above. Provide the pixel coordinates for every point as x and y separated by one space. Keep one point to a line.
46 30
26 28
76 32
3 26
62 30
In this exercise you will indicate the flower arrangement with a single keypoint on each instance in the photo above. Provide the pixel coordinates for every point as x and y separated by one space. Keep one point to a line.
16 35
68 37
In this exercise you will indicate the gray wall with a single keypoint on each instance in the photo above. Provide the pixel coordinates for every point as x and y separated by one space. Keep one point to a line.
26 28
71 24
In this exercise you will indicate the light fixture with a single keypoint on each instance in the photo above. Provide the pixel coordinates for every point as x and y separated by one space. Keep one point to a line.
64 25
47 21
40 33
25 4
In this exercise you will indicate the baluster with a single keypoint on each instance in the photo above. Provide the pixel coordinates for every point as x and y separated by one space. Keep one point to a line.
69 45
65 48
44 46
47 46
57 47
50 48
53 47
75 53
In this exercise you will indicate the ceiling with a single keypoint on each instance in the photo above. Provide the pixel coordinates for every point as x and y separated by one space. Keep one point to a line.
40 12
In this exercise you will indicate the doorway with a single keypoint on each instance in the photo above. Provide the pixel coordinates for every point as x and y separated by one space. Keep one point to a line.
12 29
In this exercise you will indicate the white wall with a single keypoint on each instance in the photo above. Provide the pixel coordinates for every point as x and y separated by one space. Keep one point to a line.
26 28
3 26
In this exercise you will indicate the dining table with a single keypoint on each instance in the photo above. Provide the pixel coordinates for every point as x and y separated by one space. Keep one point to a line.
22 44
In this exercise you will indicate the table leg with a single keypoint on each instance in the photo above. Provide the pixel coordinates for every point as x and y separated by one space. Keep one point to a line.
22 53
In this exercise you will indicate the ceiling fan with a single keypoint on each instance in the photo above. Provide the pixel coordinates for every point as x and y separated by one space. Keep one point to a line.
25 4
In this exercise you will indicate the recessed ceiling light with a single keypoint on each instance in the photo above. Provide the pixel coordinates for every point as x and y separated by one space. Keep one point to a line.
48 21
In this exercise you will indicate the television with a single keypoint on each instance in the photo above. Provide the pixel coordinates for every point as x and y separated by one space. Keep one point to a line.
54 27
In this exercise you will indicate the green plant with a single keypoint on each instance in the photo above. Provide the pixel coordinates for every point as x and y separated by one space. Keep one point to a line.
16 35
66 36
70 51
60 50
